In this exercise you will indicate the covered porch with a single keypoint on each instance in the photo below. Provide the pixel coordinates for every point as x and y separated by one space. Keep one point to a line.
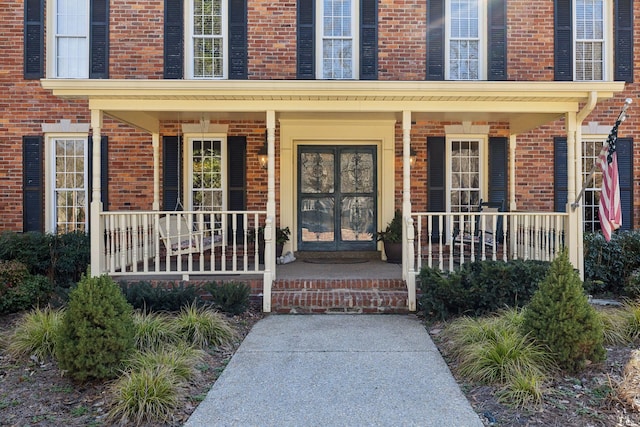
197 243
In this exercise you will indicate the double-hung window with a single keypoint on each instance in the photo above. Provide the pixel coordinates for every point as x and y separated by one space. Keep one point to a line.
71 38
466 41
337 35
206 40
591 148
590 33
67 196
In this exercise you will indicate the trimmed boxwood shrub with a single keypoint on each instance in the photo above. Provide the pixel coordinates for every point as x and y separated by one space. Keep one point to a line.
21 290
159 297
479 287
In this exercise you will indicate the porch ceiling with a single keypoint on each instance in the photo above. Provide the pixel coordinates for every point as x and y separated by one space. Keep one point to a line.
144 103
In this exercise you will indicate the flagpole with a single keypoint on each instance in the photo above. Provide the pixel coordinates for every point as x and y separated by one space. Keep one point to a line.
621 117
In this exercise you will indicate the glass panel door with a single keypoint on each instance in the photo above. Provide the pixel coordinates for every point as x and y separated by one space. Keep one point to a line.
337 204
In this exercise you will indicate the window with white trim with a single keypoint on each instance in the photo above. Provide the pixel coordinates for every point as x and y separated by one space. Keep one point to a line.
590 150
71 38
206 41
206 172
591 30
465 39
337 35
67 196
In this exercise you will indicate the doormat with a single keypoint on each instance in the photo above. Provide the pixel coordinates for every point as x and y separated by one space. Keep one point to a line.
336 261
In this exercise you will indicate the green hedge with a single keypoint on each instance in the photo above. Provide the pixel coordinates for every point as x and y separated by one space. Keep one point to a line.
609 265
63 258
21 290
479 287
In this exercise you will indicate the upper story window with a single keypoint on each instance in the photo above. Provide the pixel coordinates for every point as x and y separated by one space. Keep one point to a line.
206 42
337 37
71 46
465 39
590 35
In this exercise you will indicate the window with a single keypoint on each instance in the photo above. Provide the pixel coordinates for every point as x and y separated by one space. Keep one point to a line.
590 150
68 193
206 172
465 30
590 33
337 39
71 46
206 42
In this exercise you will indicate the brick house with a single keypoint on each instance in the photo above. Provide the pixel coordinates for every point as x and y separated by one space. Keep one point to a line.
174 130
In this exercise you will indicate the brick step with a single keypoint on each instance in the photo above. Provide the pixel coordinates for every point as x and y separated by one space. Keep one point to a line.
335 284
365 301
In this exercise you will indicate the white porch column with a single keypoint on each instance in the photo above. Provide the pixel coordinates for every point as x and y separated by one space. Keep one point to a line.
573 238
408 266
513 143
155 138
270 232
95 226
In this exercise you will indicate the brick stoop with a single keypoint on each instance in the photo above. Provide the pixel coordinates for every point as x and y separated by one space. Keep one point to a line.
291 296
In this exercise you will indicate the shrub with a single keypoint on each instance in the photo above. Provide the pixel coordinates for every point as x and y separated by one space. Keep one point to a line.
154 330
180 360
230 297
20 290
149 395
479 287
36 334
97 330
632 284
607 265
560 316
161 297
202 327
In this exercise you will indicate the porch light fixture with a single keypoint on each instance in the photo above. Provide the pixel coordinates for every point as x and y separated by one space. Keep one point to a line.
263 156
412 157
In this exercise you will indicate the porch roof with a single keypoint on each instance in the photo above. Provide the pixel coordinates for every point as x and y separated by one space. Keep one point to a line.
144 103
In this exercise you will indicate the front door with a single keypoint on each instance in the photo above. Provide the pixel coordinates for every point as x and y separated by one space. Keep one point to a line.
337 198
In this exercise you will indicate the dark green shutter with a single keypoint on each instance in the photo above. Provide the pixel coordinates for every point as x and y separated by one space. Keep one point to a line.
238 39
436 169
173 39
33 39
305 42
498 152
623 47
624 148
32 184
560 180
99 39
104 172
435 40
368 39
563 40
497 40
171 169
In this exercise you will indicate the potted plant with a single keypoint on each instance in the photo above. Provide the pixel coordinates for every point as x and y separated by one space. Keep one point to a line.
392 239
282 237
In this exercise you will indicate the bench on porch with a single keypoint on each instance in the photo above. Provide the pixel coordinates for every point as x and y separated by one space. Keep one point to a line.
180 236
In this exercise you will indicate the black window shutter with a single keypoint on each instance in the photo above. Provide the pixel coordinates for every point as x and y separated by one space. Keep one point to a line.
368 39
436 169
238 39
560 177
305 43
497 40
237 188
435 39
33 183
563 40
104 172
623 41
33 39
173 39
99 39
498 152
624 148
171 170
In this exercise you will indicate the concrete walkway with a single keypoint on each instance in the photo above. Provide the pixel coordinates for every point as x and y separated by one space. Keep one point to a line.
336 370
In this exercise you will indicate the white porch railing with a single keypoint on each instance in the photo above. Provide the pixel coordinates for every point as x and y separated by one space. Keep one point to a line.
181 242
447 240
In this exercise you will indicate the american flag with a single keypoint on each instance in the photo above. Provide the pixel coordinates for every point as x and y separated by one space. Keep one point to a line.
609 207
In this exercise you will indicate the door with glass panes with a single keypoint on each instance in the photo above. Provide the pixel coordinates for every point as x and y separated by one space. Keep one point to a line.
337 198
